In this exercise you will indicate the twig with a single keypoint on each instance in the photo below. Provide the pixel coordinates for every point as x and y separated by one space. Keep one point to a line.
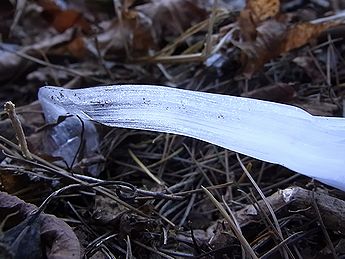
102 61
20 7
339 17
82 131
196 57
213 187
9 107
61 172
208 43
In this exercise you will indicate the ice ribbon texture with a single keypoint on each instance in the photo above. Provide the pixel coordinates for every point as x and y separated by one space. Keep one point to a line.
272 132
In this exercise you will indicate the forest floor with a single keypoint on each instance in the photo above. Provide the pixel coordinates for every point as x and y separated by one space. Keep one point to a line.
143 194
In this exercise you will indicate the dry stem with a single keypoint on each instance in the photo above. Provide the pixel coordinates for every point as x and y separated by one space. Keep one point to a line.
9 108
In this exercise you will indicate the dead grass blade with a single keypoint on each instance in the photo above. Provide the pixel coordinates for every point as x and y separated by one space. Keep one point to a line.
145 169
232 224
269 207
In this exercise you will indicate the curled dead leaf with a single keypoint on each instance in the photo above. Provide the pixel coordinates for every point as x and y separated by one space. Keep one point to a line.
57 237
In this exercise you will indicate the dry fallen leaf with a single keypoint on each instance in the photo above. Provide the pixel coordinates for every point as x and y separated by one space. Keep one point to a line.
58 239
261 10
146 26
76 47
266 33
11 56
61 19
254 13
266 45
300 34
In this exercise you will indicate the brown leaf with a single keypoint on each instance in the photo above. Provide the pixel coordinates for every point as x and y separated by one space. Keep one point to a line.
254 13
76 47
300 34
255 54
261 10
62 20
266 33
67 19
12 183
247 25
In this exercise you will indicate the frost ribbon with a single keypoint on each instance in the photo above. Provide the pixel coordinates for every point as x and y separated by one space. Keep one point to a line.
272 132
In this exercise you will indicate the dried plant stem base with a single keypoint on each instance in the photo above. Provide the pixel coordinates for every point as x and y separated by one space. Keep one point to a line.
9 108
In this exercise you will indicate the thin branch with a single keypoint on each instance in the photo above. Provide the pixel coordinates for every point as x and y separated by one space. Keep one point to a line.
9 107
